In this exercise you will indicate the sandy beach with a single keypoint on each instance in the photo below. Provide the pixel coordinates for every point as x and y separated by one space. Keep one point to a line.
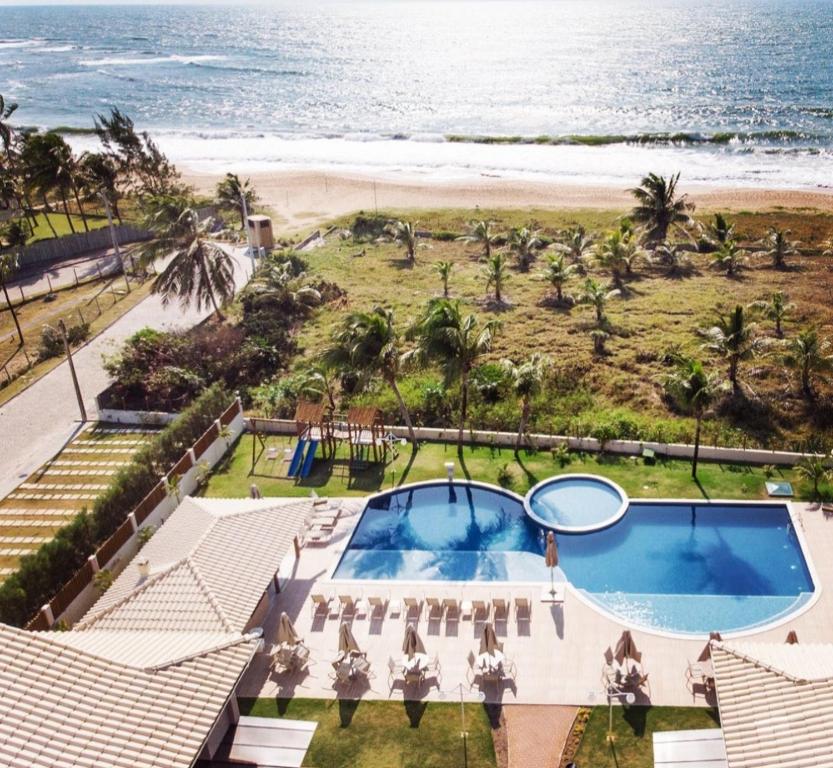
307 198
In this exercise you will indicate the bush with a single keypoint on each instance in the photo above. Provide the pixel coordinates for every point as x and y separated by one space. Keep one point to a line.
444 236
52 343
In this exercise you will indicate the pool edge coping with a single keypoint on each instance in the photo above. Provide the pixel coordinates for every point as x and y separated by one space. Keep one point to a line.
577 529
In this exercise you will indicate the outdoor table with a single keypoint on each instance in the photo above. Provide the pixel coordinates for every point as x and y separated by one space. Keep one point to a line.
417 663
490 662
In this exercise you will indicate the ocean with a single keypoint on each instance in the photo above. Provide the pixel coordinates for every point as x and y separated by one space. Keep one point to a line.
730 93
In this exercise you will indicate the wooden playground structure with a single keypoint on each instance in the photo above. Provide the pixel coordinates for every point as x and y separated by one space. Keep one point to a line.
320 431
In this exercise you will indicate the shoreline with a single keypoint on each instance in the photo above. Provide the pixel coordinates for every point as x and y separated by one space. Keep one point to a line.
306 198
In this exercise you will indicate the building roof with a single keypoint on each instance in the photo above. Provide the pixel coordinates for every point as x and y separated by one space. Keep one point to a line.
776 703
64 707
210 564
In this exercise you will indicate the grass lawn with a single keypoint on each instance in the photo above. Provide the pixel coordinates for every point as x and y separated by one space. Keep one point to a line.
633 728
666 479
384 734
43 231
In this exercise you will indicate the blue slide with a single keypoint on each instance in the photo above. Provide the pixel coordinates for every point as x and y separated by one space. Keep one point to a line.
297 457
307 467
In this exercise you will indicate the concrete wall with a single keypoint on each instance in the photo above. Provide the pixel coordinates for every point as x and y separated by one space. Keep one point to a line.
136 418
67 247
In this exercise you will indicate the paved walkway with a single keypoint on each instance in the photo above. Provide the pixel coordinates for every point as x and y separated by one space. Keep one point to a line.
38 422
62 274
537 734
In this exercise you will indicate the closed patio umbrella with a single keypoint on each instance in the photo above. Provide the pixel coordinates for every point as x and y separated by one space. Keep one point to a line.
626 649
286 631
706 653
413 642
346 642
792 637
488 640
551 559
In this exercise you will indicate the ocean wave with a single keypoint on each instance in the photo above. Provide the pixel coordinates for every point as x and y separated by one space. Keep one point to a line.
249 70
55 49
20 43
115 61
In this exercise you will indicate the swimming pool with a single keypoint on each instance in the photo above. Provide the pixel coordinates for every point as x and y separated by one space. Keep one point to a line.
576 503
676 566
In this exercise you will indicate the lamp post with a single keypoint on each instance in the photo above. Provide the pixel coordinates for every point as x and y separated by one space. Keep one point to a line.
81 407
612 693
246 225
464 734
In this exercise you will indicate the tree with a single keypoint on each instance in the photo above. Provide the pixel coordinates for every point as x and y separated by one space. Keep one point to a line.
41 170
599 337
814 469
11 174
734 339
658 207
6 130
496 273
14 235
809 354
230 195
776 308
99 175
597 295
673 258
694 390
719 231
68 176
368 344
404 233
619 252
778 247
481 232
527 380
522 242
443 270
453 342
200 270
558 272
576 245
729 257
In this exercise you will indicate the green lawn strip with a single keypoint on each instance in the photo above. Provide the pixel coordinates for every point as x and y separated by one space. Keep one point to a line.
633 728
666 479
381 734
43 231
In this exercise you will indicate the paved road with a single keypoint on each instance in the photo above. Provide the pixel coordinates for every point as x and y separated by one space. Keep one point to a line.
36 424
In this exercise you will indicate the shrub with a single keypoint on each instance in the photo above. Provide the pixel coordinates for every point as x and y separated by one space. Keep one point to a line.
52 343
505 476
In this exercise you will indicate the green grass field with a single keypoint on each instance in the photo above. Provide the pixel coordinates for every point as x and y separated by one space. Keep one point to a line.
665 479
382 734
42 231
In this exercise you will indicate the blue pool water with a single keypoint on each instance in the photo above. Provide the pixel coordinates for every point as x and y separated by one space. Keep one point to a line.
670 565
576 501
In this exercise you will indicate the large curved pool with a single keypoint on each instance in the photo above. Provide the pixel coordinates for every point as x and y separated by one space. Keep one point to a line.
682 567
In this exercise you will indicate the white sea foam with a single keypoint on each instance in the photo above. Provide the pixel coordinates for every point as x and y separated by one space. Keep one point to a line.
4 44
115 61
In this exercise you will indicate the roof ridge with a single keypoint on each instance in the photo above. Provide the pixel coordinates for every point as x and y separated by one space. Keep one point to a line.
756 662
212 600
212 649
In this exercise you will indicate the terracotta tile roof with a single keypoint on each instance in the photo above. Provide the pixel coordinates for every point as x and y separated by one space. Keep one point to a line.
63 707
776 703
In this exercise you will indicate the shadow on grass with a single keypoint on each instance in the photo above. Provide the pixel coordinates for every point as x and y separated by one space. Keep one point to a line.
346 710
415 710
636 718
702 489
407 470
493 713
531 477
462 458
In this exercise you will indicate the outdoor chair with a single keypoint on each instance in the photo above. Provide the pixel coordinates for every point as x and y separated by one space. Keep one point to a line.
500 608
523 610
318 536
319 602
451 609
435 609
394 606
435 670
413 607
480 610
348 607
699 674
378 607
471 670
394 673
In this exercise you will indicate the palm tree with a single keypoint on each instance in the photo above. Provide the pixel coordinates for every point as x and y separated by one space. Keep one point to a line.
694 391
673 258
200 270
527 382
443 270
68 176
41 171
619 252
230 195
599 337
523 242
368 344
314 382
778 247
814 469
455 343
658 208
809 354
775 308
597 295
14 235
481 232
720 231
99 175
558 272
729 257
404 233
496 273
576 245
6 130
734 339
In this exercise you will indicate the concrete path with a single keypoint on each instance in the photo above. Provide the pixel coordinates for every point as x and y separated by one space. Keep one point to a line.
36 424
537 734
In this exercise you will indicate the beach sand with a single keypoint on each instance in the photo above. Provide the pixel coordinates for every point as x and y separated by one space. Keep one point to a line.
304 199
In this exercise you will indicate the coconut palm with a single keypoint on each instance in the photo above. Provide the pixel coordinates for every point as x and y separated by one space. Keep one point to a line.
368 344
778 247
527 379
99 175
814 469
599 337
200 270
13 236
619 252
496 273
522 242
733 338
68 176
719 231
729 257
694 390
558 272
314 382
597 295
404 233
809 354
576 245
443 270
454 342
658 207
41 171
7 109
481 232
776 308
230 194
673 257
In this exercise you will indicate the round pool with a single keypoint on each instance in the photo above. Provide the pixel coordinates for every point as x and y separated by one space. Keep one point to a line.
576 503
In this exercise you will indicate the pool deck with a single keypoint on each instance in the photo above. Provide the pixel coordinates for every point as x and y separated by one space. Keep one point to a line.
558 653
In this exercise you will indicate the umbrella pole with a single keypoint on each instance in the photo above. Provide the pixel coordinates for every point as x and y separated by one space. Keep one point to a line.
552 582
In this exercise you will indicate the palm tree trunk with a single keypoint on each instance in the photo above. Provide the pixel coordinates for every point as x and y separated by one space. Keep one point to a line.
523 423
403 410
66 211
211 290
30 209
80 208
696 447
46 215
733 376
242 218
11 309
114 203
464 406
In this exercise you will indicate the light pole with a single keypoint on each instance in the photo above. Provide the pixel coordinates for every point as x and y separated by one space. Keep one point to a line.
464 734
246 225
612 693
113 237
83 410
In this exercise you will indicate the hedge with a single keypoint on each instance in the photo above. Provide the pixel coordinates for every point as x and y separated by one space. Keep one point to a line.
41 574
